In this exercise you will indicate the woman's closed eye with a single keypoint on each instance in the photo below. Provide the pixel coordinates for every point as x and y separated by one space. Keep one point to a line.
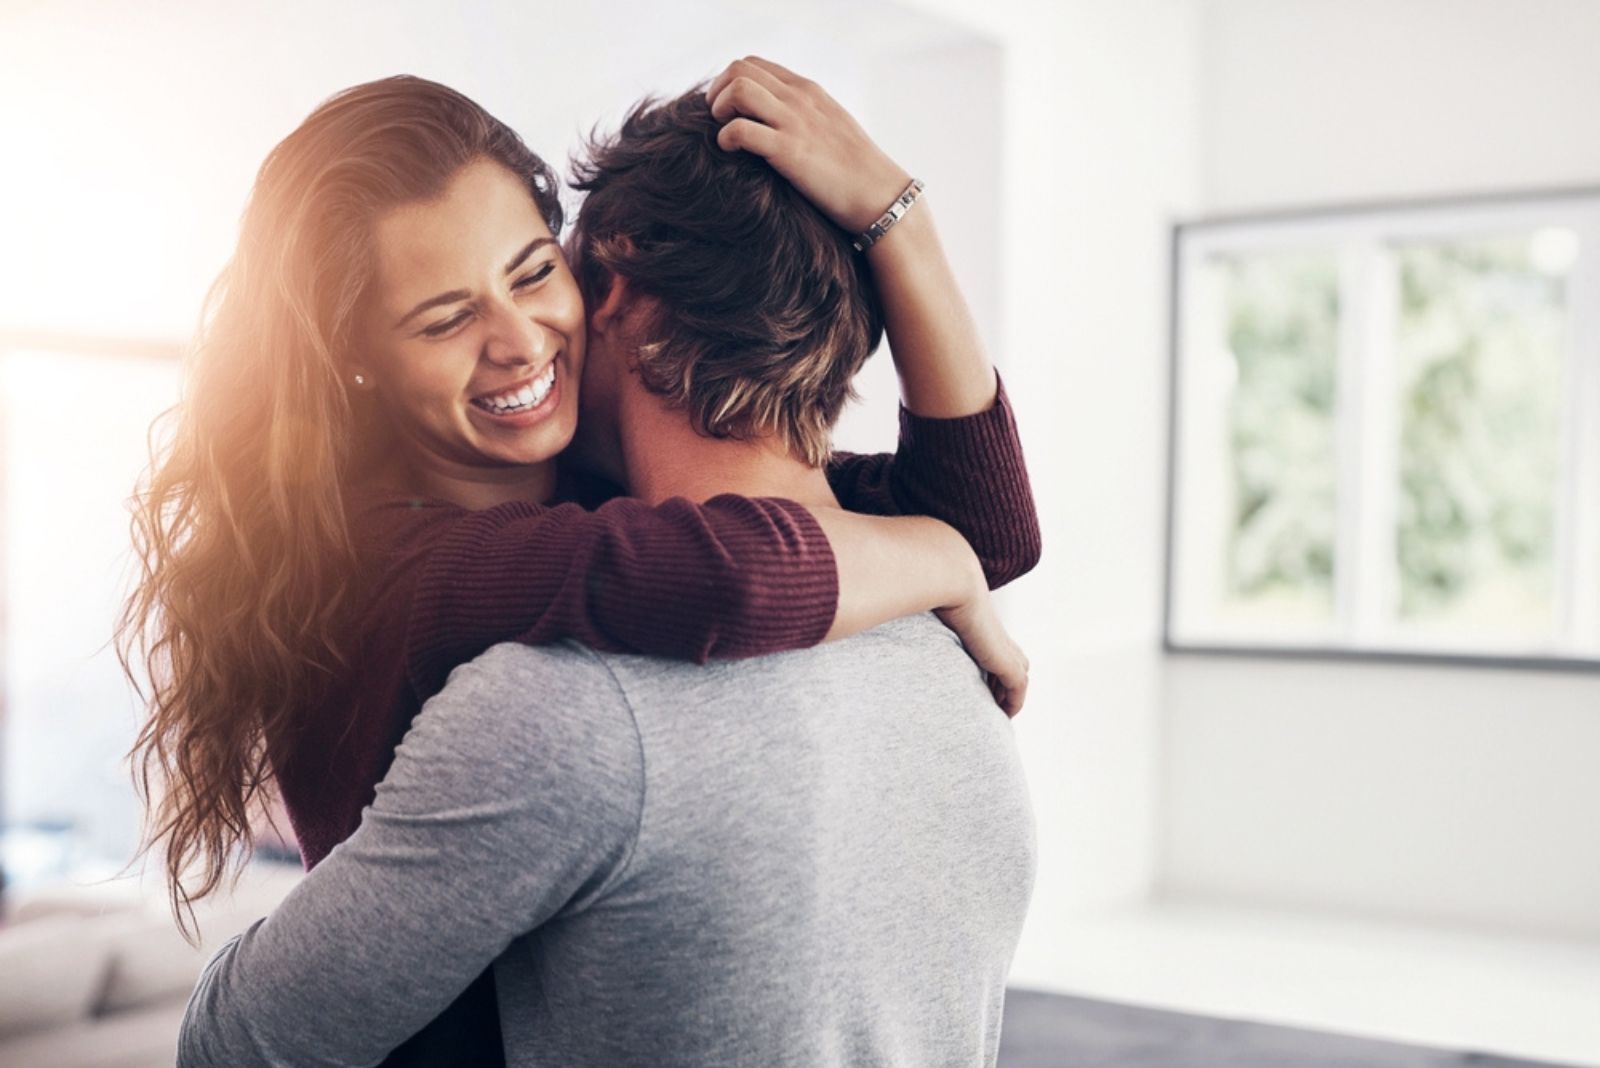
538 275
441 329
527 281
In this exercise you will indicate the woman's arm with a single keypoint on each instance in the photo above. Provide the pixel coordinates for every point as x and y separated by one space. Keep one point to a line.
959 457
732 577
876 560
966 471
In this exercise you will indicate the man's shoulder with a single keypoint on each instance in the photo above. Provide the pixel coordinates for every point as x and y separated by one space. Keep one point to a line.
559 679
918 654
918 651
923 631
530 700
574 665
919 643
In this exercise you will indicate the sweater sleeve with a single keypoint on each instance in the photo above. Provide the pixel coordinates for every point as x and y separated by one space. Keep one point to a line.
968 472
734 577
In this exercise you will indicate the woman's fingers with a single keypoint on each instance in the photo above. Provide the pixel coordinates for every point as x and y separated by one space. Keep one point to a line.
777 70
1016 692
823 151
749 136
745 68
720 82
1002 661
749 98
1008 680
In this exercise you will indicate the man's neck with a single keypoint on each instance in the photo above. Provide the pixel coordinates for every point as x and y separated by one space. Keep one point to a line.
665 457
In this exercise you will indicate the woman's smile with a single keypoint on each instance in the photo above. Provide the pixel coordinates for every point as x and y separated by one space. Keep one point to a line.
522 404
477 340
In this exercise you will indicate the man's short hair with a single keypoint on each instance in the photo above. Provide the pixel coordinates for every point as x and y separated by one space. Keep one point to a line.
766 311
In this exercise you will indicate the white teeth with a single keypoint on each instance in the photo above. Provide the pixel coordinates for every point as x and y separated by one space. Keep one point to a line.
528 396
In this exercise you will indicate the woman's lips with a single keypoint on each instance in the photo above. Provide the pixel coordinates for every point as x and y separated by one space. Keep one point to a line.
514 387
524 416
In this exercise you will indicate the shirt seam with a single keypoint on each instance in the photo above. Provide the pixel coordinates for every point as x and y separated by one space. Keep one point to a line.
626 866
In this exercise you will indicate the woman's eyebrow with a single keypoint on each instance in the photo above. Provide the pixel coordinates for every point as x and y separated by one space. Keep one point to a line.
527 250
433 302
461 294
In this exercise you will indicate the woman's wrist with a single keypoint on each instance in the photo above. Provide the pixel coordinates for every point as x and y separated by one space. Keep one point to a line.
912 240
944 373
875 195
954 573
896 566
966 569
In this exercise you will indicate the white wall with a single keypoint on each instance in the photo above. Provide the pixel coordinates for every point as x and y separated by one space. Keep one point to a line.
1096 162
1322 101
1444 795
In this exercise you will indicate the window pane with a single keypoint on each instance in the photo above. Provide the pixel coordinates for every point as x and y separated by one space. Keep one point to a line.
1281 318
1481 344
70 716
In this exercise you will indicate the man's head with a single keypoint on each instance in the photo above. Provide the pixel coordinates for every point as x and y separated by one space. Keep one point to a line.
753 311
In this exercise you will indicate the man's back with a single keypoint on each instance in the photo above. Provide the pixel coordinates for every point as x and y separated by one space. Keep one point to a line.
830 863
816 858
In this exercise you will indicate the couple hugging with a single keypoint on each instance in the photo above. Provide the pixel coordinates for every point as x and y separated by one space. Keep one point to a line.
619 719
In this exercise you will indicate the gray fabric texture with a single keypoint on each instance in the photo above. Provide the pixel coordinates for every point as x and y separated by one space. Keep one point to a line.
816 858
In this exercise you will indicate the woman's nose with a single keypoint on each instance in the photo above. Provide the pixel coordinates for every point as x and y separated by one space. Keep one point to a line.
514 338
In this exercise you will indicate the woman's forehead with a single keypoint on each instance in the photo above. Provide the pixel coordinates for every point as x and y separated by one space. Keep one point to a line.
459 238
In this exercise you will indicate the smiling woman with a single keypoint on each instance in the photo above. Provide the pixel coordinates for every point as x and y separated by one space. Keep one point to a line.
467 345
359 493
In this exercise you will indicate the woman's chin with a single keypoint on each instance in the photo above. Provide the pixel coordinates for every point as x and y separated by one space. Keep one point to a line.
538 444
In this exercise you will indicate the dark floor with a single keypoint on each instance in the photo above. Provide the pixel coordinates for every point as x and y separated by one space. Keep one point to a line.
1059 1031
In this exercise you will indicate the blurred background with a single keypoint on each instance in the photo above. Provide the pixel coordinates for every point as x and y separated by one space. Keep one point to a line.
1314 730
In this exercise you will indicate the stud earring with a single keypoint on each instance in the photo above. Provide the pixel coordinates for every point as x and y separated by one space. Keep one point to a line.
361 380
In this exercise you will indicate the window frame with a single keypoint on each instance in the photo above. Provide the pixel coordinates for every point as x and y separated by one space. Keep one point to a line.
1361 627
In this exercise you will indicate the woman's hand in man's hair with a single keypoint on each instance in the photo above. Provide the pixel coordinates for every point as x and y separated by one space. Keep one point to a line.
793 124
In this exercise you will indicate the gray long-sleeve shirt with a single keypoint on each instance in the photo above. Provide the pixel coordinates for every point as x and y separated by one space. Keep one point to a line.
816 858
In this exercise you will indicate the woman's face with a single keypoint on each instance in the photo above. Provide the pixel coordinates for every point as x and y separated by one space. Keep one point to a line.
474 333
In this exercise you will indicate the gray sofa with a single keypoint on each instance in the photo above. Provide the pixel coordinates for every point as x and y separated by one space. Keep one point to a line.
97 976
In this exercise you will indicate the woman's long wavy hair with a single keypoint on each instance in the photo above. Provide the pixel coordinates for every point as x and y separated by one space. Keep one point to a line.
241 609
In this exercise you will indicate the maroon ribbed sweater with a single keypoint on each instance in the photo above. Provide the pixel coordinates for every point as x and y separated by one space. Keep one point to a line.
734 577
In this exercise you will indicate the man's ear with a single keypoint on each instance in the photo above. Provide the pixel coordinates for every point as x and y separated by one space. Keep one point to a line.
609 316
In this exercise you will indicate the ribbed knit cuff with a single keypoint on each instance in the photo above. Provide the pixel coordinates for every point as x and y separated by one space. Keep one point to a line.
792 595
970 471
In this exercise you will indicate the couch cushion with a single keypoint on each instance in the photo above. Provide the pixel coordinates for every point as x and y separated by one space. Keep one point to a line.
51 973
144 1039
96 898
102 949
149 963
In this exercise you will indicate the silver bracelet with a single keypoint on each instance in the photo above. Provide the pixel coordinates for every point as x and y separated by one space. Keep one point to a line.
902 204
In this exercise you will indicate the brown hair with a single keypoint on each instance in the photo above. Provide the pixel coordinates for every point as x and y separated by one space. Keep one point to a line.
240 610
766 313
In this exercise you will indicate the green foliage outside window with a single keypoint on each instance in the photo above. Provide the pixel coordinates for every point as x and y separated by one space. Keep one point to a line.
1282 323
1480 344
